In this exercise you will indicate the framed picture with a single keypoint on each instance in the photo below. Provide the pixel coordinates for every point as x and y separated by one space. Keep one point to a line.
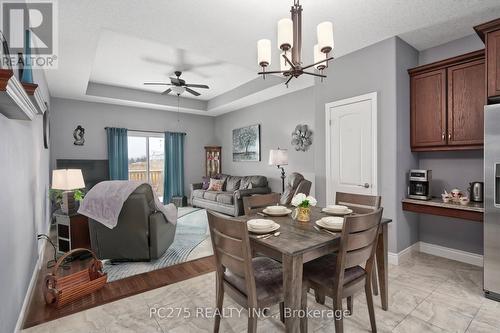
246 144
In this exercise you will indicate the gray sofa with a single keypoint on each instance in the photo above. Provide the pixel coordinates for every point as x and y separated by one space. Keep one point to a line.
230 200
142 233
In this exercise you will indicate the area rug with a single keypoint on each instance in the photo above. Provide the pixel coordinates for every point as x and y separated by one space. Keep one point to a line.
192 229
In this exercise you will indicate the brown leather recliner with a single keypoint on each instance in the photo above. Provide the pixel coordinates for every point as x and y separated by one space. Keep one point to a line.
295 184
142 233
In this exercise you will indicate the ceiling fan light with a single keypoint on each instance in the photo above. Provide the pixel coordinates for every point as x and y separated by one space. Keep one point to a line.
318 56
178 90
264 52
325 36
285 34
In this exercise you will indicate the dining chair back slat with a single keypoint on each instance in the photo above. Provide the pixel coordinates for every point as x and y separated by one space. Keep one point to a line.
358 201
251 204
361 239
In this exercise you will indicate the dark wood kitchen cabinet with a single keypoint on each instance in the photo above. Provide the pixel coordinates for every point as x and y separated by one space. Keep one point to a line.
447 102
490 34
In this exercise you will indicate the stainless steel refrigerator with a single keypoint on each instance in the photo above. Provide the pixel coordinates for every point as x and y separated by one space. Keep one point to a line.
492 201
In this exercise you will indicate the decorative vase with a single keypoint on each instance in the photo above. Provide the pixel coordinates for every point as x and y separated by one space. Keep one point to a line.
303 214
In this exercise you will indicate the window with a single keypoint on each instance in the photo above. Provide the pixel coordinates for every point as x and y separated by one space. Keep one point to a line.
146 159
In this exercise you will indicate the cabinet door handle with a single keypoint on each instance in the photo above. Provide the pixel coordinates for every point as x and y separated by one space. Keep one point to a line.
365 185
449 136
443 136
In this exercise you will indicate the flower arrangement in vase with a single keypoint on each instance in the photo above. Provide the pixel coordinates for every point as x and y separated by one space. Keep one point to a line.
303 203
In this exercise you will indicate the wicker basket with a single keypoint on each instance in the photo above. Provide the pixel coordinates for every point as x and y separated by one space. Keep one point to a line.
61 290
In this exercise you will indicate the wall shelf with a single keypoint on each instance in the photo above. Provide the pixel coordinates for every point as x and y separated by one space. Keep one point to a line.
35 96
471 212
15 103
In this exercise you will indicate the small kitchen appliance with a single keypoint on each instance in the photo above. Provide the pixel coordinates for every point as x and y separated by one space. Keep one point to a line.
420 184
476 191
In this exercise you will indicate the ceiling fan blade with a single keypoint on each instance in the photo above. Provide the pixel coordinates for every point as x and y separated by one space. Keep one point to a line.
203 86
157 84
166 92
189 90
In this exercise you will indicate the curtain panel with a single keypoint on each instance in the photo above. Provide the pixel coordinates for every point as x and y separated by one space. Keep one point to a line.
117 153
174 166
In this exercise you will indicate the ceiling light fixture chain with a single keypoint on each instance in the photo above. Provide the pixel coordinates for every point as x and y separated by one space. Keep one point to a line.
290 39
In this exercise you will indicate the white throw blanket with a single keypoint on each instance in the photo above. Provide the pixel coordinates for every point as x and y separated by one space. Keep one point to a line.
105 200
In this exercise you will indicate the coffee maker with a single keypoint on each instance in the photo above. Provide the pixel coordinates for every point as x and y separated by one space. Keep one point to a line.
419 184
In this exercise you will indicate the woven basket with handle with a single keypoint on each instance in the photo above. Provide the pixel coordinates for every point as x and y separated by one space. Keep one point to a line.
61 290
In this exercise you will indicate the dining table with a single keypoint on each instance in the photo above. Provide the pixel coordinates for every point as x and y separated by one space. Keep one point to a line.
300 242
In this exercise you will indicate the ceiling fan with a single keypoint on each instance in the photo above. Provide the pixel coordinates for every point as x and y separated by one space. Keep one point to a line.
178 85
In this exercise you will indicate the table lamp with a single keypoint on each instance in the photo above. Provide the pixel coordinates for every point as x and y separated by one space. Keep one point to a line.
67 180
279 157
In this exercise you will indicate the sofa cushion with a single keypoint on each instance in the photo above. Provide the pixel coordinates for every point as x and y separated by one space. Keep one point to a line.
210 195
249 182
232 183
198 194
225 198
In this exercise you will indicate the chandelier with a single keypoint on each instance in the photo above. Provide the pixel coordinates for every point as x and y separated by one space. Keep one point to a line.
290 45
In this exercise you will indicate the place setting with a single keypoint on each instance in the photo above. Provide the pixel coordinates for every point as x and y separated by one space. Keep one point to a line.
263 228
276 210
337 210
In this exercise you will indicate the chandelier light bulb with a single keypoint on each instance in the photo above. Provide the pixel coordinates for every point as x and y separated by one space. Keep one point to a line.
285 34
325 36
264 52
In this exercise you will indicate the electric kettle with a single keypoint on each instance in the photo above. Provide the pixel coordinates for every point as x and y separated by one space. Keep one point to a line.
476 190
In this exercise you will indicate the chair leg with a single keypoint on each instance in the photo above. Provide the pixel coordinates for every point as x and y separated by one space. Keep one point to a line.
350 305
303 306
375 280
219 304
319 296
371 309
282 312
339 322
252 322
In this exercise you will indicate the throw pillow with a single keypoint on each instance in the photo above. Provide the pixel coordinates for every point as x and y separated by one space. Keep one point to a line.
206 183
215 185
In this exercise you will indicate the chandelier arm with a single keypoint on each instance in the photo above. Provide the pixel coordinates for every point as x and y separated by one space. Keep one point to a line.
317 63
272 72
314 74
286 83
288 61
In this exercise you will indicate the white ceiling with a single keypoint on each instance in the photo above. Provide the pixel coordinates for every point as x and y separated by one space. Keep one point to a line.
123 43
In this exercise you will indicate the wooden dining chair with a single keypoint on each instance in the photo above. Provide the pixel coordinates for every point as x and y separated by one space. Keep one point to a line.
342 274
254 283
361 203
253 203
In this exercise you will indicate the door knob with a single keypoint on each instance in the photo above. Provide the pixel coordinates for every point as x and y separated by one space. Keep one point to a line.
365 185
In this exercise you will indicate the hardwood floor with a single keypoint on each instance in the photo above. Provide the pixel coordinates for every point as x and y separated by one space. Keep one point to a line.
38 312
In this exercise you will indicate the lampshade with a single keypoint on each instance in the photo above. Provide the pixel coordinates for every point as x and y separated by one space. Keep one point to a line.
67 179
325 36
278 157
285 34
284 65
264 52
318 56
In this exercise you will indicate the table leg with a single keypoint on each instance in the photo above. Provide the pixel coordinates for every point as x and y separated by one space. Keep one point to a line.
383 272
292 288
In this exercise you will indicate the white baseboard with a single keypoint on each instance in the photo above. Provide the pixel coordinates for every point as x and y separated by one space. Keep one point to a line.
397 258
436 250
453 254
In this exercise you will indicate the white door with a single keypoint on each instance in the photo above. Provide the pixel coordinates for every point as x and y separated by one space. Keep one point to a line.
351 146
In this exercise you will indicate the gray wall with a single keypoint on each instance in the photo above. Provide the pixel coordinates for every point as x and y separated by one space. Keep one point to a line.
24 178
452 169
367 70
278 118
67 114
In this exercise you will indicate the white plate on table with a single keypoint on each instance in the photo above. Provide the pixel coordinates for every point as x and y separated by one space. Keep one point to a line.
336 223
267 230
284 212
337 213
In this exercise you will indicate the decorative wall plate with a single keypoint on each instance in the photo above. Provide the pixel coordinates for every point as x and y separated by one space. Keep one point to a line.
302 138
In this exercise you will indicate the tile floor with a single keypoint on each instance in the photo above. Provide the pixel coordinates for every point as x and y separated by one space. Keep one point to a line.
426 294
